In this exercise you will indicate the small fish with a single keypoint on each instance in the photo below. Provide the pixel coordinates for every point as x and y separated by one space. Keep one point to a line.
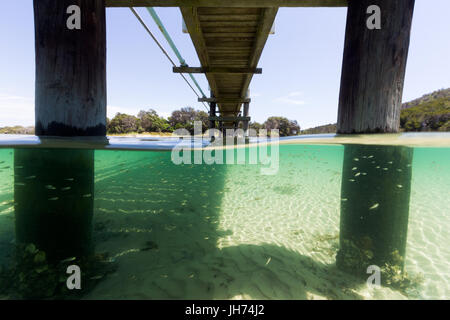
96 277
19 184
356 159
65 188
376 205
358 174
87 195
30 177
268 260
344 199
351 180
69 259
371 156
399 186
364 173
354 168
69 179
53 199
50 187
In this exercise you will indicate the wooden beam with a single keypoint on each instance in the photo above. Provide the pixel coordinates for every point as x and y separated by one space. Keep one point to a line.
222 100
266 24
223 70
374 67
229 119
227 3
190 16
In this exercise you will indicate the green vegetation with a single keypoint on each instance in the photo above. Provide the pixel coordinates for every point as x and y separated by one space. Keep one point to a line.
429 115
17 130
443 93
287 127
328 128
150 121
431 112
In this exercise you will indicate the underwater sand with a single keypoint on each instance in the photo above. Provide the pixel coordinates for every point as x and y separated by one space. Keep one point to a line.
229 232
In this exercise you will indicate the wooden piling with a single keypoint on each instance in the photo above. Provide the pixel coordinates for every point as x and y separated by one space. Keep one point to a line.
54 200
54 188
70 69
375 195
374 67
246 122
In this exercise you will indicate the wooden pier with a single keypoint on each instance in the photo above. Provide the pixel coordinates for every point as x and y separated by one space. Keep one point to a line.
229 37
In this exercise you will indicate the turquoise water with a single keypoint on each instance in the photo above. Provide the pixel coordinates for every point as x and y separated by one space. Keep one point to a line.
227 231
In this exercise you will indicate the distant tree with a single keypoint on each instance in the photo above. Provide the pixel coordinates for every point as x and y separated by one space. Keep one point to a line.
328 128
204 118
17 130
285 126
185 117
432 114
294 127
150 121
124 123
255 125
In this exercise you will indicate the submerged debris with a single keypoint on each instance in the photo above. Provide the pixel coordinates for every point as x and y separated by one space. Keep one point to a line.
33 276
355 256
150 245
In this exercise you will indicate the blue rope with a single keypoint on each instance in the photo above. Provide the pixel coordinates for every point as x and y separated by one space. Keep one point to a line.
172 45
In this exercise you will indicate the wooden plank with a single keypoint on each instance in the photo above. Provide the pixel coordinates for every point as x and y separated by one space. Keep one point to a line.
190 16
230 18
227 3
221 100
235 24
228 11
228 29
268 18
248 45
217 70
230 35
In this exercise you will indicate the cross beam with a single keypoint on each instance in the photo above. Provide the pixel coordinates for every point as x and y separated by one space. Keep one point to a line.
227 3
224 100
229 119
220 70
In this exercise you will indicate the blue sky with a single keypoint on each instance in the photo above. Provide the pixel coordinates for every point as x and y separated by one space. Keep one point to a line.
301 63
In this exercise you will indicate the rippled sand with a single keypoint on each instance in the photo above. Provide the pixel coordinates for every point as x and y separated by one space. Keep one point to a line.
228 232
